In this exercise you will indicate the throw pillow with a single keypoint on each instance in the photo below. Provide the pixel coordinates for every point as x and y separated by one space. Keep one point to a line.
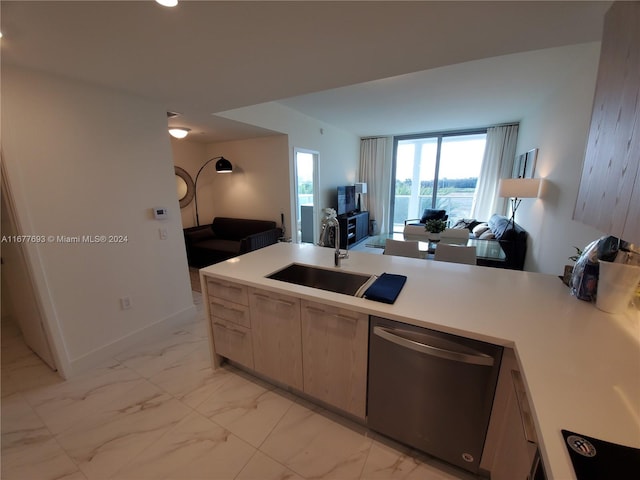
488 235
468 223
480 229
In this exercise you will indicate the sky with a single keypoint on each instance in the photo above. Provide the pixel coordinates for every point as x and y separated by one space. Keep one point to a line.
304 165
461 157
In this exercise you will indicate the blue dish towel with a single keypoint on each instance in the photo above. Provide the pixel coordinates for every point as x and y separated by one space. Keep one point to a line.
386 288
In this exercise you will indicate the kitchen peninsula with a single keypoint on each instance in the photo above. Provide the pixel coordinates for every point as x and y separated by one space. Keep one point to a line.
580 366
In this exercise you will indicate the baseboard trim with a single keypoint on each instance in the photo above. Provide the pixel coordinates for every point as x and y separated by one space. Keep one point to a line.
107 352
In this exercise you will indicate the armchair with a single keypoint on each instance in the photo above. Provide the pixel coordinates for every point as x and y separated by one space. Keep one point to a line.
428 214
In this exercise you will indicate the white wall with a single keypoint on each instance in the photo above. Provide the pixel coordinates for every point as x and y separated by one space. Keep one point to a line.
559 129
258 187
189 156
339 151
82 160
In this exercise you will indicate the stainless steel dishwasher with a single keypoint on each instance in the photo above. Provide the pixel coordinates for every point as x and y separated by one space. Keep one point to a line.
431 390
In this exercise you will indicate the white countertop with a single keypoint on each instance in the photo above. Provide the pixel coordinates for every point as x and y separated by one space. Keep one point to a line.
581 366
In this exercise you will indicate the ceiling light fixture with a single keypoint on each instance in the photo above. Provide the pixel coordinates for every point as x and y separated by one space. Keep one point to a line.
179 132
167 3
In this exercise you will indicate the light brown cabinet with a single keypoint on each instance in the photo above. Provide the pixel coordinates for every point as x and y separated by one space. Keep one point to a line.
511 449
334 349
230 322
311 347
275 328
609 196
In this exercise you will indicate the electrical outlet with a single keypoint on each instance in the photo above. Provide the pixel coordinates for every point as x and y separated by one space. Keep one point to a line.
164 233
125 303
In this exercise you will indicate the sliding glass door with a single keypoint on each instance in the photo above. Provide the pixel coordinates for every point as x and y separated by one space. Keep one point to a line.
435 171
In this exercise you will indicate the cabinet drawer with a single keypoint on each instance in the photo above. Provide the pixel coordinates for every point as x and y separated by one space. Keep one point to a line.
233 312
232 341
228 291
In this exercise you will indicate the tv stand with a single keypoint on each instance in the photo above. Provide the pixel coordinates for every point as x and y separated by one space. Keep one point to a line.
354 227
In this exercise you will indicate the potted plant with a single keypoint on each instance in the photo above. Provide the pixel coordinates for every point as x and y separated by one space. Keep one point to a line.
434 228
568 269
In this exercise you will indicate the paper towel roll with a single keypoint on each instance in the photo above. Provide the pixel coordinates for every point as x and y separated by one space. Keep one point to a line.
617 282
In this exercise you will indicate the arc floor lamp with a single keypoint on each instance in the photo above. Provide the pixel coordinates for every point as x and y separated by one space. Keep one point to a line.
222 166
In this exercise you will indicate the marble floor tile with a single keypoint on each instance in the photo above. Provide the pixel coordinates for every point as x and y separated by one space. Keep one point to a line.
195 448
29 450
262 467
17 414
22 370
152 357
246 408
198 329
159 411
389 460
313 446
191 379
102 443
69 402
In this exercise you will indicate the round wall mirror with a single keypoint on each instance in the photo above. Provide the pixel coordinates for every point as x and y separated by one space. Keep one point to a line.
184 187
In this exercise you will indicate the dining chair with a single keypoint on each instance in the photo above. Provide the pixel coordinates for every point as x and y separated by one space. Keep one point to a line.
402 248
456 233
455 254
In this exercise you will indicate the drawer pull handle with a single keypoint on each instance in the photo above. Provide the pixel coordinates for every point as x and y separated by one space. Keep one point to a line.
277 300
336 315
233 330
229 287
523 408
224 307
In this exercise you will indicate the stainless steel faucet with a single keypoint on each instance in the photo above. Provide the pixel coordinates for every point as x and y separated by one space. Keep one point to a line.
324 235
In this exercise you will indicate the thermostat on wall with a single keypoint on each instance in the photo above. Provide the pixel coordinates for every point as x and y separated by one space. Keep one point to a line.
160 213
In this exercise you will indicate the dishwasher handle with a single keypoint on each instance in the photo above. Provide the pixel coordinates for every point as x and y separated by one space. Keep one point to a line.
392 336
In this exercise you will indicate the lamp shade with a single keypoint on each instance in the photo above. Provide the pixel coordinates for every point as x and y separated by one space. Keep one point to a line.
224 166
361 187
179 132
520 187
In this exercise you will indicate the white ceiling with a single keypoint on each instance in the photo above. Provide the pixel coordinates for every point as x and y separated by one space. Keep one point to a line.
204 57
463 96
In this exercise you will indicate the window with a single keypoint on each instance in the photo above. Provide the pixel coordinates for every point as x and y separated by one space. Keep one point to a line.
306 171
435 171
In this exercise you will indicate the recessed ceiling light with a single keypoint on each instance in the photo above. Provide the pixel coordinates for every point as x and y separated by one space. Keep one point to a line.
167 3
179 132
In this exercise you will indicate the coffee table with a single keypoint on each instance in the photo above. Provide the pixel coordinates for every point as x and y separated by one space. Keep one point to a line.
485 249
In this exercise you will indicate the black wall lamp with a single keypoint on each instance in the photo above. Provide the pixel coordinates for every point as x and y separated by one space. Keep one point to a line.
222 166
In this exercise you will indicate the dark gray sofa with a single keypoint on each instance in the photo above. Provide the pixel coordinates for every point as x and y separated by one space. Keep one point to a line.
512 238
226 238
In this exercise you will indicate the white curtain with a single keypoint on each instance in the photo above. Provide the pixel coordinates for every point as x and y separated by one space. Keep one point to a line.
499 153
375 171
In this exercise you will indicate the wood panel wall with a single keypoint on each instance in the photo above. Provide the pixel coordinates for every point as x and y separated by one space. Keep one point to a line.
609 196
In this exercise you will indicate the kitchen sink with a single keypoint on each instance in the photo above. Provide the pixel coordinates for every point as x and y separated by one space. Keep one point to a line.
322 278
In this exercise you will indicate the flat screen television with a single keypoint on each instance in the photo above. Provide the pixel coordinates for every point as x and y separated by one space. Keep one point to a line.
346 199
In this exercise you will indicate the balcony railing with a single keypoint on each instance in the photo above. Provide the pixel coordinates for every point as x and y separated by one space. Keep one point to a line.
457 204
